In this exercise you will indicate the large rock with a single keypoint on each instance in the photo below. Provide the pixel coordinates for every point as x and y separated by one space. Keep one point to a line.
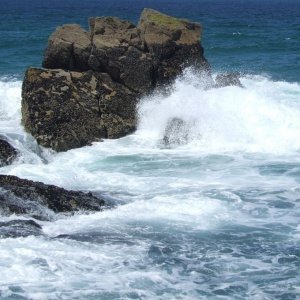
94 79
7 153
67 109
41 201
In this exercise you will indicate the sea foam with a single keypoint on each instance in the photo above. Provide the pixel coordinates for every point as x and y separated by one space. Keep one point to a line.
263 116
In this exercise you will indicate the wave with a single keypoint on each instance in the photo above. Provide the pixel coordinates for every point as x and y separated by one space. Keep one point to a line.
10 121
263 116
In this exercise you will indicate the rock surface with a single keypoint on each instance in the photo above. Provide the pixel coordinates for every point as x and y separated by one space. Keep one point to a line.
94 79
7 153
42 201
67 109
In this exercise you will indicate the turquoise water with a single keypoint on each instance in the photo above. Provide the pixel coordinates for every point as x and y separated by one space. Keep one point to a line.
216 218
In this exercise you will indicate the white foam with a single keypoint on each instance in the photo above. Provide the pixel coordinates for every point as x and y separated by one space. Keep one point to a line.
262 117
10 123
10 106
190 189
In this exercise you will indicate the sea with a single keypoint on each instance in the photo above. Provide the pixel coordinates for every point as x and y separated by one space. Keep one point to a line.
214 218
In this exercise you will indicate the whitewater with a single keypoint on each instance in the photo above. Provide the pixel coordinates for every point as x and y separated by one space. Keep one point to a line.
213 217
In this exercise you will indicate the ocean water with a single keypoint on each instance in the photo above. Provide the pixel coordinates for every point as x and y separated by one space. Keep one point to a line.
215 218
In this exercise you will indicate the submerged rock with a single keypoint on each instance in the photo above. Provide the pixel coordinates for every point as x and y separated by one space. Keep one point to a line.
19 228
176 132
7 153
228 79
95 78
41 201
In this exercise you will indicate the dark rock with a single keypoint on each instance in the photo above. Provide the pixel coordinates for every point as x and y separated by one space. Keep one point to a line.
7 153
118 50
176 132
81 107
19 228
41 201
228 79
102 75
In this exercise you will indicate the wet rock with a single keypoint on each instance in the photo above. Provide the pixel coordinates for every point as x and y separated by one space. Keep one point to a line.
41 201
19 228
7 153
228 79
176 132
94 79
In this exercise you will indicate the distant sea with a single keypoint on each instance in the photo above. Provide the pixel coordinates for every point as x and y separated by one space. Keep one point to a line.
216 218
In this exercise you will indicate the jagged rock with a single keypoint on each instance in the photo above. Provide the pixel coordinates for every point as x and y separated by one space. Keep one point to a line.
103 74
176 132
7 153
41 201
228 79
19 228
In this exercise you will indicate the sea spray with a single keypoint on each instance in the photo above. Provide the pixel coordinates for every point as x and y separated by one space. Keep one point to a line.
11 126
263 116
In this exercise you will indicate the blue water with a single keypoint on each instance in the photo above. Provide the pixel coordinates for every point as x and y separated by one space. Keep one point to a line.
216 218
249 36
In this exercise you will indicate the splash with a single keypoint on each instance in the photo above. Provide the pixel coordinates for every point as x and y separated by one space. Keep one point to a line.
264 116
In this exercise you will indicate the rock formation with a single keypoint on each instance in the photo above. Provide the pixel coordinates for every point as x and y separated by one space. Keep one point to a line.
41 201
93 80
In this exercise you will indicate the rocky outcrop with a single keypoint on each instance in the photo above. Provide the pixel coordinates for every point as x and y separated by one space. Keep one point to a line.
7 153
42 201
94 79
